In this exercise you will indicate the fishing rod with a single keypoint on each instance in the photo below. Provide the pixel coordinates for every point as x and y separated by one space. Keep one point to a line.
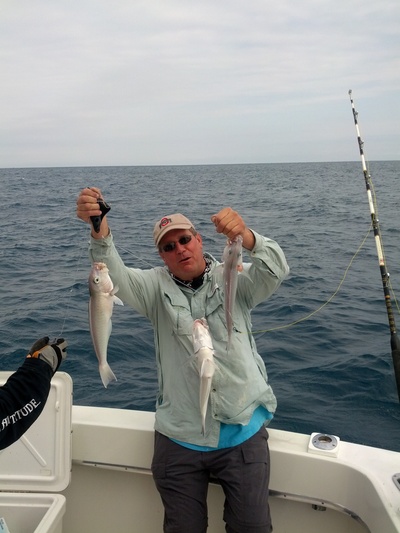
394 340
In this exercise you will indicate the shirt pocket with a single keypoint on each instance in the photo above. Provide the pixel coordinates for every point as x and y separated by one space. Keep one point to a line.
178 312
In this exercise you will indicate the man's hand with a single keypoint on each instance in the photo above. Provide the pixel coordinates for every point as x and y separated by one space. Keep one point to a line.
87 206
231 224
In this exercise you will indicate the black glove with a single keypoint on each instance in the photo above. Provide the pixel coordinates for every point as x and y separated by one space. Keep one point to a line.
53 353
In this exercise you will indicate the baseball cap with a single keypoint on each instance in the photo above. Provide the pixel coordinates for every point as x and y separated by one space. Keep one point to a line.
168 223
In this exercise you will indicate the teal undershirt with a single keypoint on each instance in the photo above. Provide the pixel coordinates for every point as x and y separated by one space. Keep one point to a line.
234 434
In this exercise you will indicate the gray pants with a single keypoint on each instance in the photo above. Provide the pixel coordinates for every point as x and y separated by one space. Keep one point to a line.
182 476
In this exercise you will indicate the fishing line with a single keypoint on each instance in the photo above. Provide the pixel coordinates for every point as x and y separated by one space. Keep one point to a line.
68 307
295 322
141 259
285 326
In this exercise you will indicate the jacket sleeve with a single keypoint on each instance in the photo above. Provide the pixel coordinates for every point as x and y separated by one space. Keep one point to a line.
265 273
136 287
22 399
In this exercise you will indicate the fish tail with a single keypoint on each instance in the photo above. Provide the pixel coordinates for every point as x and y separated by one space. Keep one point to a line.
106 374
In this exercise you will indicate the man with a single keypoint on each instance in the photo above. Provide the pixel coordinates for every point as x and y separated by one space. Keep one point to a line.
234 445
24 395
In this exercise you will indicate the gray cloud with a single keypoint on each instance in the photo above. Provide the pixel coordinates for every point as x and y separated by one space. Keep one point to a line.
179 81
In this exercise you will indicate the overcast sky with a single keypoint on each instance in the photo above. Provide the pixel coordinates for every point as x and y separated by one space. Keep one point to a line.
153 82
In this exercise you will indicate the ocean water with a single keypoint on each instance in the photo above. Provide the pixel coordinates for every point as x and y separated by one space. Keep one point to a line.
328 363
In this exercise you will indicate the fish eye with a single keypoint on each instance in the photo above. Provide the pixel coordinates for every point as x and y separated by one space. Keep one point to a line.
96 279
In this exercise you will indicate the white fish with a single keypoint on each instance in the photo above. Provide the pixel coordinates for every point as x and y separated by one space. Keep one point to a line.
232 258
204 351
101 303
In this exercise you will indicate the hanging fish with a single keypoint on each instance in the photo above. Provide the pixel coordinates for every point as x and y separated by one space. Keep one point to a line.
232 259
204 351
101 303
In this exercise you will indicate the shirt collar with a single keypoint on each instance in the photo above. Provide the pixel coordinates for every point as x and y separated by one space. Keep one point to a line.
195 283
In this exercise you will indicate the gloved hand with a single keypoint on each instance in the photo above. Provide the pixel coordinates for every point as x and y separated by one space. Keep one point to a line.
53 353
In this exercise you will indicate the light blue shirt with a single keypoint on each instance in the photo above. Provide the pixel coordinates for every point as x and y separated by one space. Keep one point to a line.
233 435
240 381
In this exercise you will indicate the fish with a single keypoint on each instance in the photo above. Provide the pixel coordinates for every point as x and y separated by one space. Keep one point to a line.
101 304
204 351
232 265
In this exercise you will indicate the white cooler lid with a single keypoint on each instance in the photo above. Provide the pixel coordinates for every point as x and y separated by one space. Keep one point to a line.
40 461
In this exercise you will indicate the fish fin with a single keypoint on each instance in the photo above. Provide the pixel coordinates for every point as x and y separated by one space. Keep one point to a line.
117 300
106 374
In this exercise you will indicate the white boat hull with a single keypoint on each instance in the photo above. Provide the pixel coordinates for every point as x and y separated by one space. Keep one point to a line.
111 489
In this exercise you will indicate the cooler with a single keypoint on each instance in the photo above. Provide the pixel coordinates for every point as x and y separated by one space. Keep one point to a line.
38 466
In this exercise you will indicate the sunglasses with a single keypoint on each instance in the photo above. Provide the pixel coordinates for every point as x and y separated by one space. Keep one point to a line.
170 246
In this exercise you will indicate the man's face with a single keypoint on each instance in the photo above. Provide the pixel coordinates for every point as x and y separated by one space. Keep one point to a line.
185 261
